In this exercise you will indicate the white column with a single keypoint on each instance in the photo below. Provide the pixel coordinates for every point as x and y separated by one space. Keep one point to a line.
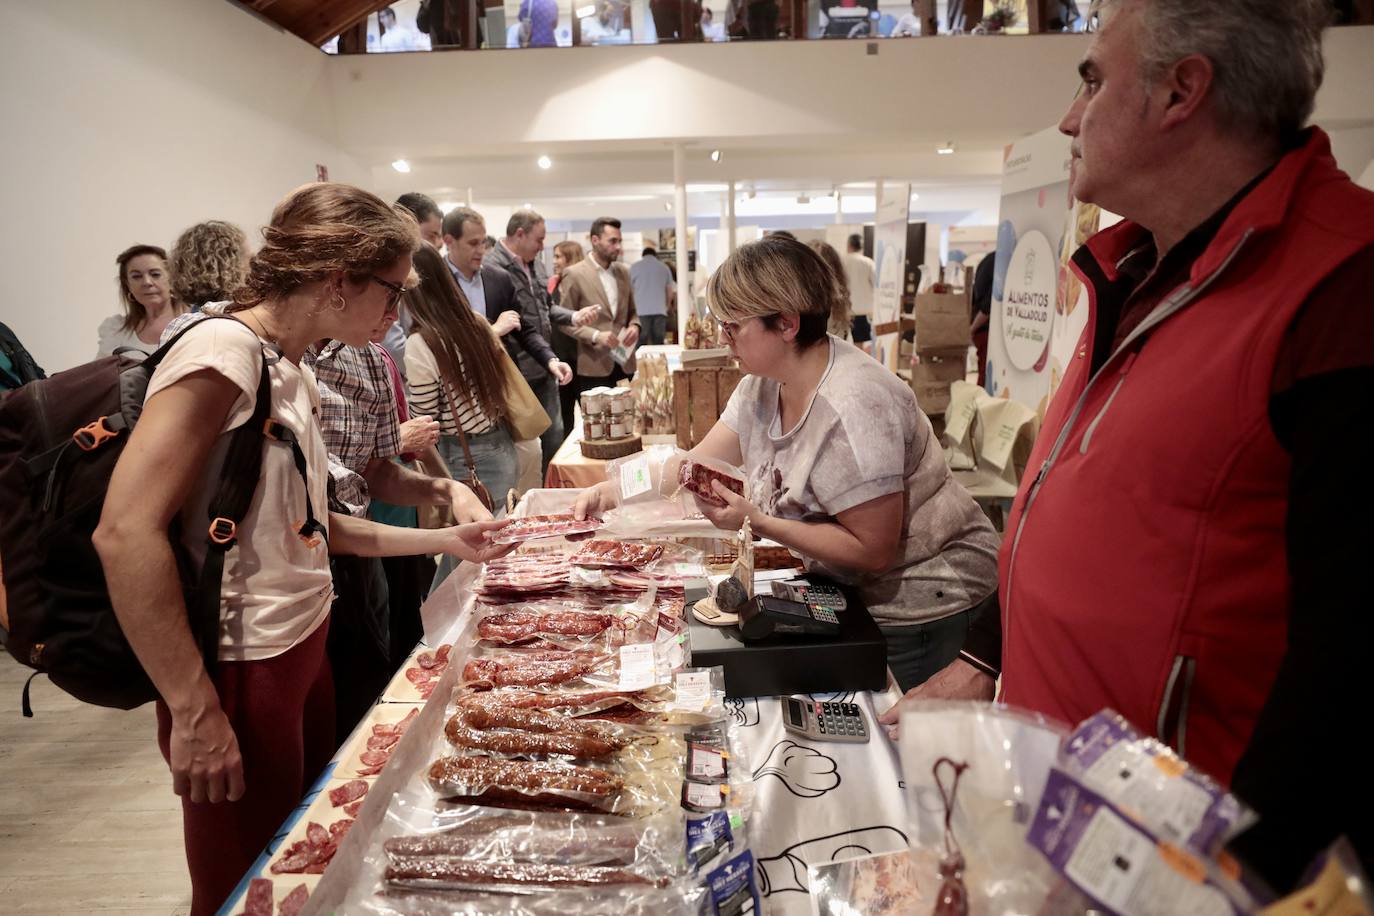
686 302
731 242
839 207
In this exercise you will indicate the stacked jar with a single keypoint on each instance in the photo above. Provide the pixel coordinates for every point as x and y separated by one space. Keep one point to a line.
596 410
622 416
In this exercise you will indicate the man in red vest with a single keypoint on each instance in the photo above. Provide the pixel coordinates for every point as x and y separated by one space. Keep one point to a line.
1186 547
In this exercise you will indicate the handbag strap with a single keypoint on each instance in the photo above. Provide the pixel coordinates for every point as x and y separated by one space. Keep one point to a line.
467 452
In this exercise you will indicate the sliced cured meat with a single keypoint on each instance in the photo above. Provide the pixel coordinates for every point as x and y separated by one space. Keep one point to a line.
348 792
696 478
395 728
316 835
339 829
426 690
353 809
292 904
418 676
307 856
458 872
617 554
544 526
374 758
371 771
382 742
259 899
442 653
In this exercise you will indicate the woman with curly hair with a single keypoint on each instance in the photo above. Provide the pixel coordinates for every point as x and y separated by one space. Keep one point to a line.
245 739
146 293
209 261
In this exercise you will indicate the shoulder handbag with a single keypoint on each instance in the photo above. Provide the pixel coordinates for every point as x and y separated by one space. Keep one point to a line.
524 413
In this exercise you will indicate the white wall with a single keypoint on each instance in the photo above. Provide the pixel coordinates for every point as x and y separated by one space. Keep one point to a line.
127 122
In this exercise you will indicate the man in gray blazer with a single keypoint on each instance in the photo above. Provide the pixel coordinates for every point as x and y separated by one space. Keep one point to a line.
605 346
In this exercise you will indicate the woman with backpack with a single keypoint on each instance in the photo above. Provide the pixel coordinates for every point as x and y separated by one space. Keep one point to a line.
244 743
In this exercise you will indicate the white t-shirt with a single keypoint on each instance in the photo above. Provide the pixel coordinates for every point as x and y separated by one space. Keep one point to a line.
113 335
859 273
863 437
276 589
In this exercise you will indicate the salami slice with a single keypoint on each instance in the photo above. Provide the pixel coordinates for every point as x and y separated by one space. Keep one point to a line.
353 809
382 742
371 771
294 901
348 792
339 829
374 758
316 835
259 899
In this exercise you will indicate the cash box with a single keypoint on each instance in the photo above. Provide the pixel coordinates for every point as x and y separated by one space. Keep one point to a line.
853 659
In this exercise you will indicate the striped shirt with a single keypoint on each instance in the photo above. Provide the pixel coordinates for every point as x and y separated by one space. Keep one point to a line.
431 396
357 417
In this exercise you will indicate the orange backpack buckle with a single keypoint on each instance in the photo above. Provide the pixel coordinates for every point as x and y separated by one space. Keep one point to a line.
91 435
311 539
223 530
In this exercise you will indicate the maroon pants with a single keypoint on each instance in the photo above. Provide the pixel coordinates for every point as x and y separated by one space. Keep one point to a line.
282 711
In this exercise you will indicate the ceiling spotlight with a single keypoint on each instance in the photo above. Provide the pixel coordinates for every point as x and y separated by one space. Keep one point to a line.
668 206
527 206
401 166
715 155
544 162
914 195
947 149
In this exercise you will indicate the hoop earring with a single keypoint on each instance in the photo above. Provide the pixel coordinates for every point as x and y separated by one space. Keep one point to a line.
338 305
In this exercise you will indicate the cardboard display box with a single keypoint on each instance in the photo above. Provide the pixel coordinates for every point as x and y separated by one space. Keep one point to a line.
931 375
699 398
942 321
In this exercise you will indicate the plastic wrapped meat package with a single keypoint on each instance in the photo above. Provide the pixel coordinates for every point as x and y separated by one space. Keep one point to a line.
1005 756
697 474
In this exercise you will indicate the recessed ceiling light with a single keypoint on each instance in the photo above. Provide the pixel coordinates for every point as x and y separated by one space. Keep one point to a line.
527 206
947 149
914 195
544 162
668 206
715 155
401 166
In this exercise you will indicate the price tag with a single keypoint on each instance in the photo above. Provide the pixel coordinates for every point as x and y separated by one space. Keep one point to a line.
704 796
634 477
637 668
693 690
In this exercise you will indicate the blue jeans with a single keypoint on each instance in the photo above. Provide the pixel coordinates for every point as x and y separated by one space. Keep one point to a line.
493 453
652 328
917 651
546 390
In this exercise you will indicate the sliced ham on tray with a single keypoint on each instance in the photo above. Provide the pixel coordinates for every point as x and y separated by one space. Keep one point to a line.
614 554
518 530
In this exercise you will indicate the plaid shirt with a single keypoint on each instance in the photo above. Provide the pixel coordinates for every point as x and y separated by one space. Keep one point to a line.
357 417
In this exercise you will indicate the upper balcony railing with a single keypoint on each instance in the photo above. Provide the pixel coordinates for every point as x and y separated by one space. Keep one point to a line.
424 25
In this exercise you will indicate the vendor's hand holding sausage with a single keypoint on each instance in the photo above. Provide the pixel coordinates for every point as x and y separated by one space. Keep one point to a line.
731 516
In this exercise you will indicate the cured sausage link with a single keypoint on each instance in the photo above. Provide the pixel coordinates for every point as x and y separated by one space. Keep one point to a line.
541 733
469 775
444 871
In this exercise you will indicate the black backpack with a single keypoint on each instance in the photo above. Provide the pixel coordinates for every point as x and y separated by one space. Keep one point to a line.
59 441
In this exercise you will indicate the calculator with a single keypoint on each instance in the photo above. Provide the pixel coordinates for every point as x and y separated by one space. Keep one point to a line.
823 721
815 594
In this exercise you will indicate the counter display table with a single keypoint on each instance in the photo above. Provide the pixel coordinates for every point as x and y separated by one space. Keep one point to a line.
803 802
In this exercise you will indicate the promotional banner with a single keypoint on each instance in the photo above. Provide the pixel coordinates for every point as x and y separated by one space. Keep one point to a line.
889 259
1039 308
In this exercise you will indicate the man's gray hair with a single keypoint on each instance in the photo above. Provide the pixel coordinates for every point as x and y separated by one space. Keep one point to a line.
522 219
1266 54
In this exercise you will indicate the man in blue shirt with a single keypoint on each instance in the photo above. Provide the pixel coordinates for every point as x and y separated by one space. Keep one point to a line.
653 286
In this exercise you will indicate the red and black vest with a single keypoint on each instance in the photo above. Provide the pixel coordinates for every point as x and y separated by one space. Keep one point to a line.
1144 566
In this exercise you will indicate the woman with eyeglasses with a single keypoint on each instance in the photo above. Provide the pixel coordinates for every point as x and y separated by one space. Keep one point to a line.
244 742
454 374
842 466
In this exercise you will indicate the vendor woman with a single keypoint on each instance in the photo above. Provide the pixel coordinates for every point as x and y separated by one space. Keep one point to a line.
842 465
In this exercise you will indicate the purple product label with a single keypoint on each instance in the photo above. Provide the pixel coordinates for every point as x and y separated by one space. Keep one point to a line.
733 887
1145 778
1117 862
707 837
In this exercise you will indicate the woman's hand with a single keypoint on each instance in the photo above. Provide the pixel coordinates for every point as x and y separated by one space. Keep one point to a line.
594 501
731 516
472 542
418 433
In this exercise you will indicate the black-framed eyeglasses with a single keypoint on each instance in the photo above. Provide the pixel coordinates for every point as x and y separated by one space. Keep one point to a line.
397 291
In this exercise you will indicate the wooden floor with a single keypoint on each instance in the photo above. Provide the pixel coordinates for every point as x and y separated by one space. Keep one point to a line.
88 821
